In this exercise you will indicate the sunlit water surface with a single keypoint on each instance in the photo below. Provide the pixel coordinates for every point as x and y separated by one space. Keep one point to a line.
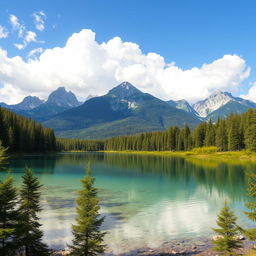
147 200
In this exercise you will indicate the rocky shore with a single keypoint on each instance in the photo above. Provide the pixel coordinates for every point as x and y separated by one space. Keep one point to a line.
188 247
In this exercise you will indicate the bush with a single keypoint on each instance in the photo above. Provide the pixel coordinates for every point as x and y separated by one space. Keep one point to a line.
205 150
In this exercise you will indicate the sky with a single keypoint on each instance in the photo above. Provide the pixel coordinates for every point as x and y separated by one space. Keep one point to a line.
173 49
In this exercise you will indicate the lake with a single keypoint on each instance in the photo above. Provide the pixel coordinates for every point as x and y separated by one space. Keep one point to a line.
147 200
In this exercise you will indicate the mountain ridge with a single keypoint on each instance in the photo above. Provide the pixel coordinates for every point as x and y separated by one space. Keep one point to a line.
126 105
124 110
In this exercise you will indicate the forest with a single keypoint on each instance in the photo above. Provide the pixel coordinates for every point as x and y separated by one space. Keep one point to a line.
234 133
20 134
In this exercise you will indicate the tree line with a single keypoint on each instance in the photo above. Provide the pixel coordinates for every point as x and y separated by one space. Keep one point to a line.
21 134
236 132
64 144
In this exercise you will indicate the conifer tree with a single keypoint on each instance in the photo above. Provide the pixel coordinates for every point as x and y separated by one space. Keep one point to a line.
2 155
233 137
251 206
221 136
227 232
8 217
29 231
87 235
250 133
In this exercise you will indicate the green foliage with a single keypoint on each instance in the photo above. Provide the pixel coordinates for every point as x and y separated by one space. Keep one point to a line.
250 131
8 217
205 150
30 235
251 206
227 233
87 235
221 135
2 155
79 145
236 132
21 134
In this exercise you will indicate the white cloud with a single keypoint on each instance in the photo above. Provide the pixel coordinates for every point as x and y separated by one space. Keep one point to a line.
16 25
20 46
35 51
26 36
39 19
87 67
251 95
3 32
30 37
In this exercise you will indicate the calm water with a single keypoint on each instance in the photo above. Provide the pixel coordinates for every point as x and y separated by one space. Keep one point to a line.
147 200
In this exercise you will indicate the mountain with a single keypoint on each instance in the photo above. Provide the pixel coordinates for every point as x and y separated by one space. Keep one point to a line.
28 103
123 110
222 104
232 107
57 102
62 98
212 103
184 105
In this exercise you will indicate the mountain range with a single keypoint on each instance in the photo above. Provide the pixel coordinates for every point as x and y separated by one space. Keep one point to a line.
39 110
123 110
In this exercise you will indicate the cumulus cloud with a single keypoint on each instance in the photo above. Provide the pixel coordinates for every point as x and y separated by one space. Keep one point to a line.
251 95
87 67
39 19
3 32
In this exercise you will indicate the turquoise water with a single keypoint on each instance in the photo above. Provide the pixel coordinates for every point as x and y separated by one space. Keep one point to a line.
147 200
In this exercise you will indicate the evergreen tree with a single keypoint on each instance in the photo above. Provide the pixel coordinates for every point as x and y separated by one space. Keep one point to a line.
250 132
251 206
227 232
8 217
87 235
2 155
29 231
221 136
209 134
233 136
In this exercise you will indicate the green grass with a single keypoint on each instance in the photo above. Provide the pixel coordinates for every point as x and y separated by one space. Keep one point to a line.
228 156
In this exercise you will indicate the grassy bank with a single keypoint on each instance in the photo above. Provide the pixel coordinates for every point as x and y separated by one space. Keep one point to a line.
218 156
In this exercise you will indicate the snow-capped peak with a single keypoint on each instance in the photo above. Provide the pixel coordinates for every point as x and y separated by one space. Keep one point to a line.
212 103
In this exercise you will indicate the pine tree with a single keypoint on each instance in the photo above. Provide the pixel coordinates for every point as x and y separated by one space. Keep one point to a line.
250 133
221 136
8 217
87 235
227 232
2 155
251 206
29 231
233 136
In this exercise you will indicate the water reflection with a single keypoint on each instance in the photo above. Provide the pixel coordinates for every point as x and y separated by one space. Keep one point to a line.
147 200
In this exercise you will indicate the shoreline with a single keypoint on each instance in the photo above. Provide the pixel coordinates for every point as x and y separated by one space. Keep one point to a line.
196 246
227 156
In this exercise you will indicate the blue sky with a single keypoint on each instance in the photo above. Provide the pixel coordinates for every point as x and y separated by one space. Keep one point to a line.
185 32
